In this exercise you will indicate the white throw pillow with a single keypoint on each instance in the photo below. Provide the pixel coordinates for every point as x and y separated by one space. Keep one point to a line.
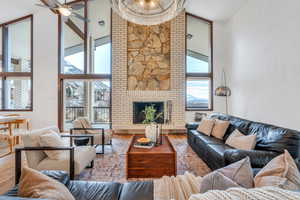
206 126
281 172
240 141
52 139
220 128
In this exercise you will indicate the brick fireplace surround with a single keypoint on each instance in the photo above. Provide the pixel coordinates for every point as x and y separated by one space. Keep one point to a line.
122 98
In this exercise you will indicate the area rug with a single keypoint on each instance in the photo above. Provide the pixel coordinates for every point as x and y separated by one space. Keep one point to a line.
111 165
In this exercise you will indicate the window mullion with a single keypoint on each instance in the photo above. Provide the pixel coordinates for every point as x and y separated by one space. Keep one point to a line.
5 64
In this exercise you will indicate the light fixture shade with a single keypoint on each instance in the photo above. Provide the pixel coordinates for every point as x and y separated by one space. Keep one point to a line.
223 91
148 12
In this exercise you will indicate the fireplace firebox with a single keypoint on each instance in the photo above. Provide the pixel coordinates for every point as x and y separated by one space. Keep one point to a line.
139 107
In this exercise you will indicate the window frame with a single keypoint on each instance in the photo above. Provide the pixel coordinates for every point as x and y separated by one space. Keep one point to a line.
86 75
4 75
199 76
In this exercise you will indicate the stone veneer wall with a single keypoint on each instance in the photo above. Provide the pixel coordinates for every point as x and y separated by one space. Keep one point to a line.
148 57
122 98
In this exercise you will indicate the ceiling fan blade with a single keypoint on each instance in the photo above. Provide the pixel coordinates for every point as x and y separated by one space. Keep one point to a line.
80 17
56 2
64 18
77 6
43 6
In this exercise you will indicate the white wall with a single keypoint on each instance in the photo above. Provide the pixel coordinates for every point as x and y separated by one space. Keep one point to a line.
44 70
265 68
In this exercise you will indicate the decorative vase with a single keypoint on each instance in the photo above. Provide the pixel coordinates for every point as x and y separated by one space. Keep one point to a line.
150 132
158 134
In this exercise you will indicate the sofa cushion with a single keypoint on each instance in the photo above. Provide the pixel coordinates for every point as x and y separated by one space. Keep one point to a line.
240 172
83 155
206 126
280 172
218 149
220 128
34 184
240 141
60 176
216 181
137 191
32 140
235 123
52 139
209 140
90 190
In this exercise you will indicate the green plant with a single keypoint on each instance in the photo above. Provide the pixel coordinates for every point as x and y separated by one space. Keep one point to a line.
150 115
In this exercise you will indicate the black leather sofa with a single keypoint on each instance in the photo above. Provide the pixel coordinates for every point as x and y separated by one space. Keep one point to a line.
88 190
271 141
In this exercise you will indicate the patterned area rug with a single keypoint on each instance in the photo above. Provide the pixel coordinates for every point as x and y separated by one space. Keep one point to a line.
111 165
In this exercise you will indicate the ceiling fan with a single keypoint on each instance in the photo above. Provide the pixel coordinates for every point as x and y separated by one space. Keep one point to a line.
64 9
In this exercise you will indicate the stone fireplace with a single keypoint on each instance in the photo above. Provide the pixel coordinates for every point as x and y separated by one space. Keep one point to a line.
138 111
128 90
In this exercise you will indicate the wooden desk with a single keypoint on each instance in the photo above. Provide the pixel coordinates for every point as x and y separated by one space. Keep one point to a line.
151 163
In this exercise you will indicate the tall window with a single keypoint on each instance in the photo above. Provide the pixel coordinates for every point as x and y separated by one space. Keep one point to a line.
85 67
16 64
199 76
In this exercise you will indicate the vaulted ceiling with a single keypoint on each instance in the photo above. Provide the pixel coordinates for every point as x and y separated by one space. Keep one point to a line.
216 10
210 9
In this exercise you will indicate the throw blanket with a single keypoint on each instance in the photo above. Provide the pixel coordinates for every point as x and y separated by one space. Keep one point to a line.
180 187
265 193
187 187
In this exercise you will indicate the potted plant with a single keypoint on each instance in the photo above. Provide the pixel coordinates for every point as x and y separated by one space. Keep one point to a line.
150 119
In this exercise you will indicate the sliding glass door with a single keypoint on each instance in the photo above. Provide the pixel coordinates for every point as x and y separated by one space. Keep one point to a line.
87 98
85 66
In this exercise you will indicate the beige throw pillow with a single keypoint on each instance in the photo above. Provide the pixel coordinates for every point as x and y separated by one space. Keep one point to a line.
220 128
34 184
240 141
206 126
280 172
216 181
52 139
238 174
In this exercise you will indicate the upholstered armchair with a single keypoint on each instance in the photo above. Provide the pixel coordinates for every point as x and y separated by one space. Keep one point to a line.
78 159
101 137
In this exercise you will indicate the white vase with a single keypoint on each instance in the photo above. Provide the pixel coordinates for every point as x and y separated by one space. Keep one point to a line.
150 132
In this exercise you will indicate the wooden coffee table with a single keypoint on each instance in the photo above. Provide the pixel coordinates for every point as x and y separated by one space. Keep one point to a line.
150 163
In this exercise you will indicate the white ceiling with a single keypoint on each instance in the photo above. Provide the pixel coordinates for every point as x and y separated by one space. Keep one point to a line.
12 9
210 9
214 9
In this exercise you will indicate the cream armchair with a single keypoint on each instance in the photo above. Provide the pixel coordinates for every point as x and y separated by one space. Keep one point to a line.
80 157
101 137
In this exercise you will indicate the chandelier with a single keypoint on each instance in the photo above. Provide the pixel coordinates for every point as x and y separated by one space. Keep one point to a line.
148 12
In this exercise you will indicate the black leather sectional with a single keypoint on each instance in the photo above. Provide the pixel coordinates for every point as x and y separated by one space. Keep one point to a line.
88 190
271 141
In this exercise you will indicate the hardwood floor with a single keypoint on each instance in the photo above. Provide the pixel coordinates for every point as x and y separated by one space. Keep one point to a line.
111 165
7 168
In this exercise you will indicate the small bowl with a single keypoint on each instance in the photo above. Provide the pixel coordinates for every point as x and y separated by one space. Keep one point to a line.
144 140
